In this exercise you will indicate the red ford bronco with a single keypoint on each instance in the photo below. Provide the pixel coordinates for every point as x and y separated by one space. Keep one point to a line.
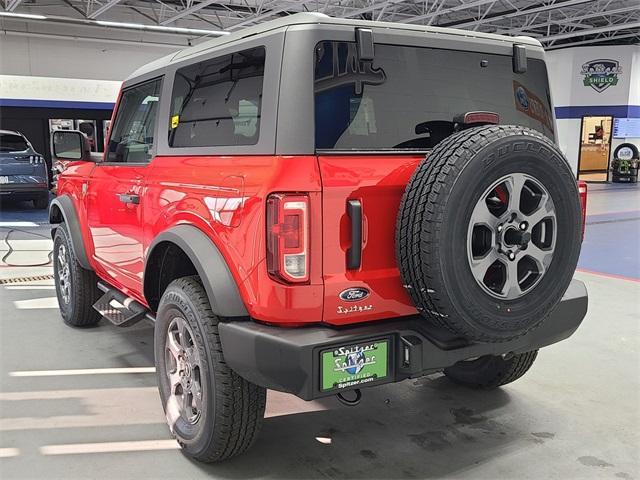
317 205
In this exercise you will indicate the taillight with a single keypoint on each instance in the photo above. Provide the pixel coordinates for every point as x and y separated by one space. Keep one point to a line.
582 190
288 237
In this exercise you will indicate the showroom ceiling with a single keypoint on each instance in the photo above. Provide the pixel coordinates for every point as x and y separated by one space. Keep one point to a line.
556 23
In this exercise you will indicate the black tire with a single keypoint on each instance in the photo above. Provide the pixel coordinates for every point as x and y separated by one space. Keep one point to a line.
76 305
42 202
232 408
491 371
433 222
631 146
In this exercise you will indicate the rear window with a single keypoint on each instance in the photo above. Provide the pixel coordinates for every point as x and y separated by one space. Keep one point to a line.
408 97
217 102
10 142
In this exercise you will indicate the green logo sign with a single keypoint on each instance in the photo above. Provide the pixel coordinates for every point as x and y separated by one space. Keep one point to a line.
601 74
354 365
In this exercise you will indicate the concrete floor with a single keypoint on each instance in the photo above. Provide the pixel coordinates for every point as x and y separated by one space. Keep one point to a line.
576 414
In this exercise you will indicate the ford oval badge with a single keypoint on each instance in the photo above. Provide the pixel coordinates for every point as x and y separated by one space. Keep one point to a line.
354 294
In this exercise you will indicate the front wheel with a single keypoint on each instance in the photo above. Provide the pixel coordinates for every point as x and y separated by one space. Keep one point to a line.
76 288
213 412
491 371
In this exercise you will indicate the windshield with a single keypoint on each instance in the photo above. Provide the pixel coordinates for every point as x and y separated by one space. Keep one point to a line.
10 142
411 97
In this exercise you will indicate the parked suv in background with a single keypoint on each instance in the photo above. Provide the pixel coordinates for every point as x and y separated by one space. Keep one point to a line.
23 171
316 205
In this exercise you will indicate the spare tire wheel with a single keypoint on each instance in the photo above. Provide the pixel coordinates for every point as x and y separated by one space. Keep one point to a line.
489 231
626 151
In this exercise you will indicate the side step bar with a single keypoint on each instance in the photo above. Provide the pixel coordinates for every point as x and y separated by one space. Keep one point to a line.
119 309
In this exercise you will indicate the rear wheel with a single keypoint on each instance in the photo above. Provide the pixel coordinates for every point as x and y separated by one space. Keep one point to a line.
491 371
76 288
214 413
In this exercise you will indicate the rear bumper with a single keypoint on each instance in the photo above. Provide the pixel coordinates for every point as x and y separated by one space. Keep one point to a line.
25 187
288 360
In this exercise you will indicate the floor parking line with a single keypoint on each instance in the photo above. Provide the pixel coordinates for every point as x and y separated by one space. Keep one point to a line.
88 393
109 447
29 287
83 371
37 303
89 408
9 452
18 224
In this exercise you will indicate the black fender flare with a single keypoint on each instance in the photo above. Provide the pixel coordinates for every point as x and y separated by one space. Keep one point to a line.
211 266
67 210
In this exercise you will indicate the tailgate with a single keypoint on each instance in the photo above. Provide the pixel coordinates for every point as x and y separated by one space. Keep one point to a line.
16 164
377 183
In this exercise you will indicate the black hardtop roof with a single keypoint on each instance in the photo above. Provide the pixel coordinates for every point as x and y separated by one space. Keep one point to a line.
313 18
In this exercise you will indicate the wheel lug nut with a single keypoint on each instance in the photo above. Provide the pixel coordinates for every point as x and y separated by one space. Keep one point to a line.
512 256
523 226
499 228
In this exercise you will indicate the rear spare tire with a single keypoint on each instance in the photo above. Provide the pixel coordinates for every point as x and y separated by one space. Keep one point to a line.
489 231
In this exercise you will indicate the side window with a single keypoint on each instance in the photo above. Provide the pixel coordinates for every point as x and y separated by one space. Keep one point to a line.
217 102
131 139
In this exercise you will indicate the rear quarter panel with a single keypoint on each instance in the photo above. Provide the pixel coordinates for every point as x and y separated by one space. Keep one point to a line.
224 196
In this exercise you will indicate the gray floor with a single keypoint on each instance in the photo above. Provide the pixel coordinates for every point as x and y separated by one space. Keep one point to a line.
576 414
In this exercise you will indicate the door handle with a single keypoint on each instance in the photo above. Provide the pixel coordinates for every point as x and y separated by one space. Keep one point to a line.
354 252
129 198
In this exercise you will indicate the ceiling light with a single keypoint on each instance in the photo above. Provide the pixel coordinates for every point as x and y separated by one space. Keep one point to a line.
22 15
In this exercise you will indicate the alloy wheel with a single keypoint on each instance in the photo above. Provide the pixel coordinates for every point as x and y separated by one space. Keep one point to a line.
511 236
64 274
184 374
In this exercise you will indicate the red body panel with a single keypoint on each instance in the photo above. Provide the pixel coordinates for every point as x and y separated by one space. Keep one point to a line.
116 227
73 182
378 182
582 190
225 198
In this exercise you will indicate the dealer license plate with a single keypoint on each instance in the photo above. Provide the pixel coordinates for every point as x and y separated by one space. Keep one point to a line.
4 180
352 366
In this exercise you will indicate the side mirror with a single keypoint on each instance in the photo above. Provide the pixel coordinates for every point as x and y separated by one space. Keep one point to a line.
70 145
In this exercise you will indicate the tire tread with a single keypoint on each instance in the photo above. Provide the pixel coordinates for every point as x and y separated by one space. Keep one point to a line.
419 228
240 404
84 285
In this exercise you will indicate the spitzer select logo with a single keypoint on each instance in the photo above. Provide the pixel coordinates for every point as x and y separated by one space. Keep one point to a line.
353 359
601 74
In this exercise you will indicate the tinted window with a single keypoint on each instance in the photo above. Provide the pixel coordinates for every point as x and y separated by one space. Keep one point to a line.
408 97
10 142
132 135
218 101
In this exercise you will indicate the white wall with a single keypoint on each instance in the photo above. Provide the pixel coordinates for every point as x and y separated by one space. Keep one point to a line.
568 90
566 80
634 91
52 57
21 87
569 140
